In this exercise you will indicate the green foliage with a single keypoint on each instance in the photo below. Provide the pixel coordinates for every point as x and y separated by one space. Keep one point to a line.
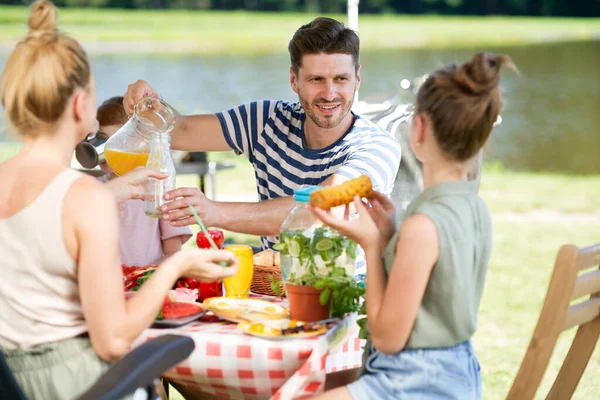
362 322
307 252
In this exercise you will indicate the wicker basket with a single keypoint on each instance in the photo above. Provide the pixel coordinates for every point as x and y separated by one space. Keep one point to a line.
261 281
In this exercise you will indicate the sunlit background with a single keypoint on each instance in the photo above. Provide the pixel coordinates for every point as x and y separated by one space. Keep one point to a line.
541 174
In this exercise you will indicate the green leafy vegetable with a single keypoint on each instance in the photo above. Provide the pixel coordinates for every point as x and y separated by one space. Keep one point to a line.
325 260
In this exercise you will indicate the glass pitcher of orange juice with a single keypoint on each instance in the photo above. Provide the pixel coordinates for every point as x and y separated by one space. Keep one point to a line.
238 286
129 147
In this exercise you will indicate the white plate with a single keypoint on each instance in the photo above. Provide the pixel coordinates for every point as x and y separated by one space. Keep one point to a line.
270 326
238 310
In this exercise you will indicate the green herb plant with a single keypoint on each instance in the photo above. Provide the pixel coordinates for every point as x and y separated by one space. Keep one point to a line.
306 253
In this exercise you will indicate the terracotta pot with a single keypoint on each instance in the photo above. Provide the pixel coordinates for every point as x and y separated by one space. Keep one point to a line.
304 303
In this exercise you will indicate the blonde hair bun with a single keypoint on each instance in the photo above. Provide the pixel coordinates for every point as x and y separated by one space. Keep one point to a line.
481 75
43 17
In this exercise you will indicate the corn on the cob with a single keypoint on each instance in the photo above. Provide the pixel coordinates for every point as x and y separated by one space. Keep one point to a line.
344 193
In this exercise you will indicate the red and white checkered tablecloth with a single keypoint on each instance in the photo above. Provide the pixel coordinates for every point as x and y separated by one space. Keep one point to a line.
228 363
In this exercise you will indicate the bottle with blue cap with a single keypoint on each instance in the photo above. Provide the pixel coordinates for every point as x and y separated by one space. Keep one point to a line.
301 221
310 248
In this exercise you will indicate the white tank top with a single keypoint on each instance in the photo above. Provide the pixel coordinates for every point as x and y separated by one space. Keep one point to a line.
39 296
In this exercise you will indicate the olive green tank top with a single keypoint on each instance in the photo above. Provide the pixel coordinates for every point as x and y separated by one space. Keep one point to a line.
448 313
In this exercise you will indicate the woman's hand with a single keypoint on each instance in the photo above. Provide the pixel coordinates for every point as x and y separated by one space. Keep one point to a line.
178 211
383 213
131 185
203 264
363 230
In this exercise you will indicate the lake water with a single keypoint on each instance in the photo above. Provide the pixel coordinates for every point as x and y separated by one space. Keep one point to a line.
550 122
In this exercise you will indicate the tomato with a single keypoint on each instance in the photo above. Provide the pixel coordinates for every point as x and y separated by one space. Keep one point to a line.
216 235
210 289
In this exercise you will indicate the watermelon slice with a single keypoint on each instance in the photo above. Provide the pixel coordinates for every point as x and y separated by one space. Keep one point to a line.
179 309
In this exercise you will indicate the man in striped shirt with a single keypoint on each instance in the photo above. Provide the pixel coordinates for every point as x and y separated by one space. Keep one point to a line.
316 141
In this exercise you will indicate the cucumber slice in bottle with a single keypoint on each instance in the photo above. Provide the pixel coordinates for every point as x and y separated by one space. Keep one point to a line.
294 248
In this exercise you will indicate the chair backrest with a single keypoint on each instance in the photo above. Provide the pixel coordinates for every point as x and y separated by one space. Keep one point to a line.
576 278
9 388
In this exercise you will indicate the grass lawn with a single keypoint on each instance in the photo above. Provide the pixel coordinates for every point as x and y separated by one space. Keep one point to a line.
239 32
522 260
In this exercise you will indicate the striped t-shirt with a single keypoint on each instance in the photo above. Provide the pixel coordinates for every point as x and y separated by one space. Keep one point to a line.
271 135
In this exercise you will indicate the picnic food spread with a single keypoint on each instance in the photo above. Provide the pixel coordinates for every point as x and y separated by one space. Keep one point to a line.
282 329
238 310
333 196
267 319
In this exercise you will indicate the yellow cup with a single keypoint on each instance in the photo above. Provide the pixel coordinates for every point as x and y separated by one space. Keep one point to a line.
238 286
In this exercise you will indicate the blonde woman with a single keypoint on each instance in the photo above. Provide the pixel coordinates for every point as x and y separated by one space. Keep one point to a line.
63 315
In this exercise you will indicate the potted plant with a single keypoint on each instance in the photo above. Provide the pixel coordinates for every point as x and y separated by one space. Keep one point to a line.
318 271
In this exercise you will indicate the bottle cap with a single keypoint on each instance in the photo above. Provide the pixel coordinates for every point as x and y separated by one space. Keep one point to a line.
302 194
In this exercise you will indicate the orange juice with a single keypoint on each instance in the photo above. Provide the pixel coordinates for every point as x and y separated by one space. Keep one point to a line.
122 161
238 286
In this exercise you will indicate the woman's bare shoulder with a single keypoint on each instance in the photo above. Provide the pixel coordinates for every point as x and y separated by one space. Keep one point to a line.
89 196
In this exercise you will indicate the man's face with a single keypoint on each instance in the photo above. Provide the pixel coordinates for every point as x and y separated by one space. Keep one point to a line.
326 85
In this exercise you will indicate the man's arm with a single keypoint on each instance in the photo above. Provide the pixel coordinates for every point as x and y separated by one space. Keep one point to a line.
191 132
262 218
198 133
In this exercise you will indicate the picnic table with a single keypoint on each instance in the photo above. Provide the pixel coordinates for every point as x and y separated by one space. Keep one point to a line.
231 364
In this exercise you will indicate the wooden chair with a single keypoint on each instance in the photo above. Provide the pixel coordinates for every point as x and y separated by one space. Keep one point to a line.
570 281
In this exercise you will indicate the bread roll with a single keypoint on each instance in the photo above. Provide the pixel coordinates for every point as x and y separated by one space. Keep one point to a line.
263 258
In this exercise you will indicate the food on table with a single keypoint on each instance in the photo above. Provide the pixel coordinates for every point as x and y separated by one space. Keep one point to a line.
187 283
183 294
177 309
282 329
344 193
134 276
237 310
209 289
267 257
178 303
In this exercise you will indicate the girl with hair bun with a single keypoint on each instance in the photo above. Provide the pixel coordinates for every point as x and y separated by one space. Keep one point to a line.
63 314
425 280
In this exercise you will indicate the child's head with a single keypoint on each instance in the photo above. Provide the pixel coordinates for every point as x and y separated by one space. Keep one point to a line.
46 83
111 117
457 107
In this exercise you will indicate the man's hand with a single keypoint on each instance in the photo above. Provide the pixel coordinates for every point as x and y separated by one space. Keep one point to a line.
131 185
178 211
136 91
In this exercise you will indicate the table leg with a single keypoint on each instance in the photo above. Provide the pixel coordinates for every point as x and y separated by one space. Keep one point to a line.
340 378
191 394
162 389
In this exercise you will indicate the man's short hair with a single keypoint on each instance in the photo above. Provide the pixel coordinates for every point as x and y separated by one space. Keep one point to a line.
323 35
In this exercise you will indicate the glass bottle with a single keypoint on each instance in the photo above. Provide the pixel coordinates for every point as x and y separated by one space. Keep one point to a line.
308 246
130 146
159 159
